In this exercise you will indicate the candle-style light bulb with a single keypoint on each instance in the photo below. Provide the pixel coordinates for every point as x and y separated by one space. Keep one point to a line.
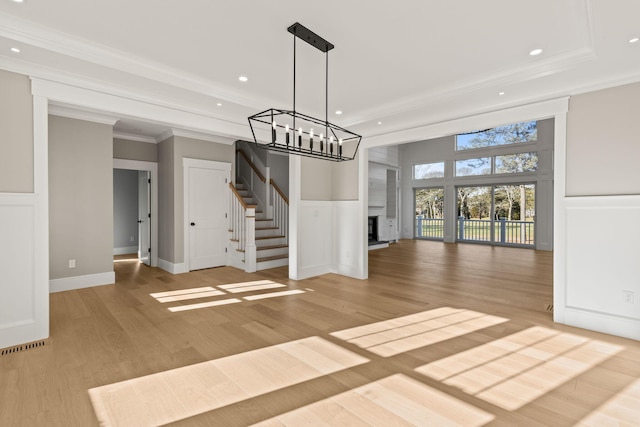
299 138
286 129
311 140
273 132
321 144
331 145
340 147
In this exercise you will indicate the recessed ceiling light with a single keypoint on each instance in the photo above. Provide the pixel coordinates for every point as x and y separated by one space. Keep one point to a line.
243 78
15 49
338 112
535 52
219 104
634 40
500 93
18 1
379 123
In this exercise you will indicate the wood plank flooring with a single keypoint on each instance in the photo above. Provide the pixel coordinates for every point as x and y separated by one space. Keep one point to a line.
440 334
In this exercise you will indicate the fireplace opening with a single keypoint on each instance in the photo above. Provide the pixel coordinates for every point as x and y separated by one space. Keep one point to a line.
373 229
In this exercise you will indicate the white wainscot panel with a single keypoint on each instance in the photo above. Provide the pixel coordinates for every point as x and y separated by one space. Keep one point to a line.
603 256
348 238
315 238
17 284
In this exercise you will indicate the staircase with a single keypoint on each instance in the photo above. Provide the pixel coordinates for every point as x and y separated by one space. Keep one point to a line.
271 248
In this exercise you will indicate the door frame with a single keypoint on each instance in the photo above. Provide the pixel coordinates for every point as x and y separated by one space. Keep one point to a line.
205 164
152 167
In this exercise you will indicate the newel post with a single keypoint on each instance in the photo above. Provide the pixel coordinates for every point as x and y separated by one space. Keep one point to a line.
250 240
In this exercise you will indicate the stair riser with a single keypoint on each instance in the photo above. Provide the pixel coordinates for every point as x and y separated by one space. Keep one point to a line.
267 233
265 265
273 252
271 242
261 224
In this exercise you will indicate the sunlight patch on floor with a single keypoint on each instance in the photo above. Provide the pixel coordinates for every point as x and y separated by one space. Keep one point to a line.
273 295
157 295
513 371
621 410
204 305
395 336
392 401
251 286
209 292
195 295
191 390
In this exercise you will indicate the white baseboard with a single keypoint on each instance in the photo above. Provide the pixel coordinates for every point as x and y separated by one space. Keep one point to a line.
348 270
317 270
600 322
171 267
79 282
126 250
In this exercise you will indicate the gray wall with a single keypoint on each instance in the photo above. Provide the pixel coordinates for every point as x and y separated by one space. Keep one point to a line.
80 197
16 130
323 180
443 149
171 186
166 237
125 208
135 150
603 142
279 165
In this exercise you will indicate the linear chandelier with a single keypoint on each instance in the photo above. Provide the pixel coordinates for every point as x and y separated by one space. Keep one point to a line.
300 134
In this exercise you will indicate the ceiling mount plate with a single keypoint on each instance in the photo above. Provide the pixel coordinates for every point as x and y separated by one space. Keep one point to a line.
310 37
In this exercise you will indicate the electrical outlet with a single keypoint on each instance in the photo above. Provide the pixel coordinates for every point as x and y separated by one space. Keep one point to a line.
131 239
628 296
72 263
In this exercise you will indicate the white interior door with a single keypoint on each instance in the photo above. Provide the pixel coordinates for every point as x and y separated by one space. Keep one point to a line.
208 229
144 217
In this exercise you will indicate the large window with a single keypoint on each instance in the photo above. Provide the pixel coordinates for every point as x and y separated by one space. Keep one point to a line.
469 167
501 214
516 163
501 135
429 213
428 170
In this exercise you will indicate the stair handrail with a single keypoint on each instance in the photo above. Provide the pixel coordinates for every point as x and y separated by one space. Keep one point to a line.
279 191
251 164
239 197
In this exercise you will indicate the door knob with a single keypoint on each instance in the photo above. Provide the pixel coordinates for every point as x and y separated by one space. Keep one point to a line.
193 223
139 221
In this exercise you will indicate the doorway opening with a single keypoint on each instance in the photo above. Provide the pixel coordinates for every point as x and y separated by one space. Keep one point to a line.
135 205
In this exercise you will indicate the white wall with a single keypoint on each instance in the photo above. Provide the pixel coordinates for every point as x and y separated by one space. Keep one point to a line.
326 222
24 248
596 229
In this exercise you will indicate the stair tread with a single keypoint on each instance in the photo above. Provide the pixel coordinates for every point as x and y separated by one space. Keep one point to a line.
266 228
264 248
269 237
272 258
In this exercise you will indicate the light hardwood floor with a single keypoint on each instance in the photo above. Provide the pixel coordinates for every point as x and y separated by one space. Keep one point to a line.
440 334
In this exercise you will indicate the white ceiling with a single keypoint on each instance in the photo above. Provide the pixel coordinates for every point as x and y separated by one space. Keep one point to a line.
405 63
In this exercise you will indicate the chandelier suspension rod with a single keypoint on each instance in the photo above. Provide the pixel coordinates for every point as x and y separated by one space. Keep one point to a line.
294 82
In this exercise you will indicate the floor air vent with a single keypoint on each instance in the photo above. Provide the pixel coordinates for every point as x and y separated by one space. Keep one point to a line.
21 348
549 307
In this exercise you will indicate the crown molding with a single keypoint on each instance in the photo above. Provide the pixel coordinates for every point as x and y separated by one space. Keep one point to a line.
184 133
134 137
543 68
74 113
45 38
